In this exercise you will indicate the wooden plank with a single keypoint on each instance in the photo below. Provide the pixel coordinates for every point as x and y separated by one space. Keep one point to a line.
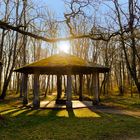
36 99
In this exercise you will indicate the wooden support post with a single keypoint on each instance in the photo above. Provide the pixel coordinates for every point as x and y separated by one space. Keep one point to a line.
25 89
69 93
96 89
59 86
21 85
64 83
36 99
80 87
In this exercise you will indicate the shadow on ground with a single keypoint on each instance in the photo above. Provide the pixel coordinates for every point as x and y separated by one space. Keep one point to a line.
56 124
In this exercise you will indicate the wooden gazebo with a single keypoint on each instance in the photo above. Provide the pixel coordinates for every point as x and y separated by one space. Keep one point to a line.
60 64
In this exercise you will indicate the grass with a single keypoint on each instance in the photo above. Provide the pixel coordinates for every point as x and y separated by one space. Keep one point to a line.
125 102
78 124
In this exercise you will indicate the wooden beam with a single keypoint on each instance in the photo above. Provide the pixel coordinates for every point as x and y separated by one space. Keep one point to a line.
96 88
80 87
36 99
25 89
69 93
59 86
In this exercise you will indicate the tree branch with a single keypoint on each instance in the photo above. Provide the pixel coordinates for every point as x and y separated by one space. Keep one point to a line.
6 26
97 36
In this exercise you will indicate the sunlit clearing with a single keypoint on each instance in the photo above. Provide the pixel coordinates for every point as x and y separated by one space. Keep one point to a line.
64 46
32 112
62 113
8 111
18 112
80 113
85 113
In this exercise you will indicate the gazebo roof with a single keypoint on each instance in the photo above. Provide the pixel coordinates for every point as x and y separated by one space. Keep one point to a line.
62 64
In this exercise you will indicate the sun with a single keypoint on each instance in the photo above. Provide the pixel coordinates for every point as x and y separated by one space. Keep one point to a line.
64 46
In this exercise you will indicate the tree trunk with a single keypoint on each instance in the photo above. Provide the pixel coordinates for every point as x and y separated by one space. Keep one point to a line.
1 54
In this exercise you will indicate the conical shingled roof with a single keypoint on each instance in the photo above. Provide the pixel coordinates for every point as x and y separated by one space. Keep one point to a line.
59 60
58 64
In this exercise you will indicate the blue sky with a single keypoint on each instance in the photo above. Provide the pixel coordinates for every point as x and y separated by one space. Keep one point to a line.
57 6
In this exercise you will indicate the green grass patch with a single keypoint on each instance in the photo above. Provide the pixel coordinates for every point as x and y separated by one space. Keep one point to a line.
125 102
60 124
81 124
